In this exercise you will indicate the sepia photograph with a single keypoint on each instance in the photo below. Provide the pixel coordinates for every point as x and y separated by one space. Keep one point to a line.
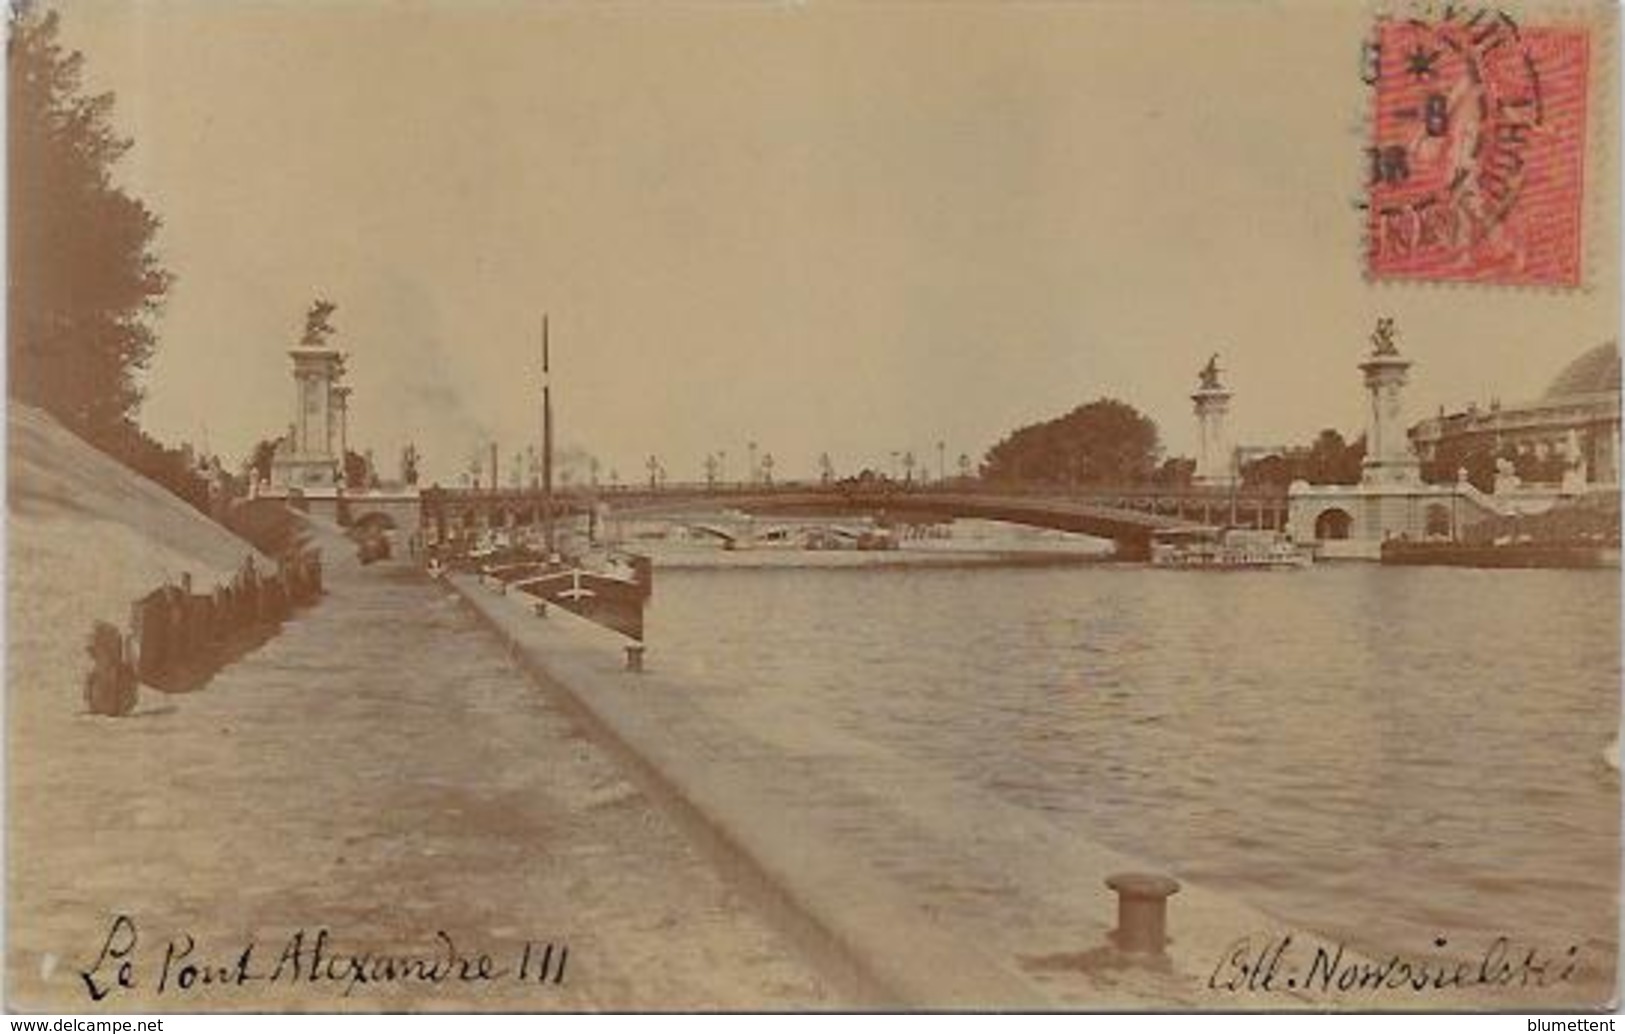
817 506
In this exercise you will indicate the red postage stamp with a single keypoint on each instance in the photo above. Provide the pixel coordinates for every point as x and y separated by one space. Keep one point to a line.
1477 157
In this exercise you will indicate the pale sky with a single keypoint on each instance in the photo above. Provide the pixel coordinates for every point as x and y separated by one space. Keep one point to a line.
821 226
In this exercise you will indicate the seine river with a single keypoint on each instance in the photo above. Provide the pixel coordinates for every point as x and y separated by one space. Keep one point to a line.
1384 755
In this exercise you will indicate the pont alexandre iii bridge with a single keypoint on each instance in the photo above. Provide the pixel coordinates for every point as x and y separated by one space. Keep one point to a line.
1128 515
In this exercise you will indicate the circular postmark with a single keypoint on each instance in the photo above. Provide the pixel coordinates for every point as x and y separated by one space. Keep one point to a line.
1476 146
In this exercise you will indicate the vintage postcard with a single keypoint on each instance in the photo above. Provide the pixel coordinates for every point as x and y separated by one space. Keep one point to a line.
826 506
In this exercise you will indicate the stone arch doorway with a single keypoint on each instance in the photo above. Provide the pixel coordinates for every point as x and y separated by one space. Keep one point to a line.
1333 525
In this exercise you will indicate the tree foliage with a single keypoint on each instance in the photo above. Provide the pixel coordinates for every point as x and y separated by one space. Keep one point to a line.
1102 442
357 471
261 458
83 278
1328 460
1175 472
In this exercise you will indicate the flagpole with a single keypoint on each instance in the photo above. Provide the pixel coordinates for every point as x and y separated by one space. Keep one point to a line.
547 443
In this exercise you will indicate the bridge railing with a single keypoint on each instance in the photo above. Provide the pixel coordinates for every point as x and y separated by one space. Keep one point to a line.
1126 494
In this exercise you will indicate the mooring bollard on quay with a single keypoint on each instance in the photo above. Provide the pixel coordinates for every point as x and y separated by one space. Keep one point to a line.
634 656
1142 912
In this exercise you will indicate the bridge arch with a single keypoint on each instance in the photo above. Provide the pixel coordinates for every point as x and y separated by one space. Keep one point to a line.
1131 529
374 519
709 531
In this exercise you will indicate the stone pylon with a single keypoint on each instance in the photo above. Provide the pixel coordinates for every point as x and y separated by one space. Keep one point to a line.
1389 458
1215 456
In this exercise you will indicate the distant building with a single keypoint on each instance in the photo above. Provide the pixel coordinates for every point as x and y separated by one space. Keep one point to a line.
1578 415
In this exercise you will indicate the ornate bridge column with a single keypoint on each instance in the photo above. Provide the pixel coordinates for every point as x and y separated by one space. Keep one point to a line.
1215 458
1389 458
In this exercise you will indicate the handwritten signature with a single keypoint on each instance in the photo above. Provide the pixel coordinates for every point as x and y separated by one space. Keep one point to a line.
305 957
1277 964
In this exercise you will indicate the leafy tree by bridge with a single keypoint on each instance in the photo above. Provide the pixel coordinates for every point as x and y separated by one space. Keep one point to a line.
1102 442
261 458
1175 472
1328 460
83 279
1334 461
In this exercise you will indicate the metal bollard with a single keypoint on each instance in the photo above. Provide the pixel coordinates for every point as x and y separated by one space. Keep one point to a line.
634 656
1142 911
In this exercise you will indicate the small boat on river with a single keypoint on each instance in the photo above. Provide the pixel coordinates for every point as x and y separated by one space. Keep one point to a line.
1227 549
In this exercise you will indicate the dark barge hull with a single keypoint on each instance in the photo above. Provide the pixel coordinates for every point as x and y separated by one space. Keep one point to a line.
614 602
611 602
1514 555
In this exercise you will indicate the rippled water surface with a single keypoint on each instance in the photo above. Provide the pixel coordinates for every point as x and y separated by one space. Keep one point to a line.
1385 754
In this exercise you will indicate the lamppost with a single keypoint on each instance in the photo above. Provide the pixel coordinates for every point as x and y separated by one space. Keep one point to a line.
751 474
767 470
942 469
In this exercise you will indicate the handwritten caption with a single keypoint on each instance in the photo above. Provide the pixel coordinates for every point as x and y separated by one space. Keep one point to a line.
308 958
1280 964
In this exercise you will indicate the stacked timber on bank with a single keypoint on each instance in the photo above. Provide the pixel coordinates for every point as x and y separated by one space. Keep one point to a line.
87 536
176 634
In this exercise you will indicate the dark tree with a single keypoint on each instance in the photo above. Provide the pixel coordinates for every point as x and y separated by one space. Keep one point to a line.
1332 461
1545 470
357 471
409 465
1175 472
83 279
1269 472
1103 442
1328 460
1476 455
259 461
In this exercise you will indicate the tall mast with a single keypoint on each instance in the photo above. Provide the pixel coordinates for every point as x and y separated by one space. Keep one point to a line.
547 442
